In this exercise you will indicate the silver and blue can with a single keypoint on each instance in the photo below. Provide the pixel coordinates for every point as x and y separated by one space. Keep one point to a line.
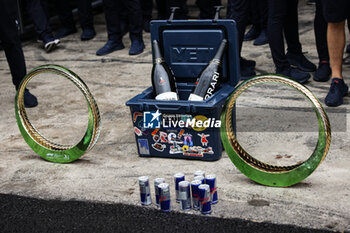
211 181
201 178
178 177
145 191
185 195
157 181
199 173
204 199
164 197
195 193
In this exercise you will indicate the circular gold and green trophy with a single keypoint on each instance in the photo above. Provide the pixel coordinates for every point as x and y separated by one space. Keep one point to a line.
263 173
42 146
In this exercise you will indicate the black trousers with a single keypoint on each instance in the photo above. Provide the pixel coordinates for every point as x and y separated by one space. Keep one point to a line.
259 13
164 11
11 42
65 15
206 7
320 26
38 11
113 10
238 10
283 18
147 7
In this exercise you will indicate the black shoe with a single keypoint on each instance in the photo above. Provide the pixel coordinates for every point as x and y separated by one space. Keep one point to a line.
137 47
247 63
336 92
301 62
262 38
252 34
247 72
296 75
30 101
63 32
323 72
110 47
88 34
50 43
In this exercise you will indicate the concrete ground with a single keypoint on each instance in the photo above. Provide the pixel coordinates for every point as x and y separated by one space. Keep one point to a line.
108 174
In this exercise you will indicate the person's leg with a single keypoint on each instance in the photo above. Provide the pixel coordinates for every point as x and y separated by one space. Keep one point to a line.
112 10
86 19
291 28
206 8
64 13
277 12
134 10
254 19
323 71
39 17
320 26
162 9
263 13
335 13
180 13
291 31
239 11
277 17
12 46
146 6
336 44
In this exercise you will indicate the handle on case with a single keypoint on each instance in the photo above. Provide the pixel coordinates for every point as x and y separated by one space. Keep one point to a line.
173 9
217 12
168 107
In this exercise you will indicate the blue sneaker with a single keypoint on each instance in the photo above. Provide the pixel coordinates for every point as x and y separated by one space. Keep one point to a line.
30 101
336 93
110 47
262 38
301 62
137 47
50 43
323 72
88 34
296 75
252 34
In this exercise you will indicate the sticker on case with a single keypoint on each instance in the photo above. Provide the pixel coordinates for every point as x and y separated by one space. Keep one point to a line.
136 115
137 131
204 139
143 146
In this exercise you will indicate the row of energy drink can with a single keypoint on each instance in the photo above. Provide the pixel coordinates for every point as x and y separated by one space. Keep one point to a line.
200 193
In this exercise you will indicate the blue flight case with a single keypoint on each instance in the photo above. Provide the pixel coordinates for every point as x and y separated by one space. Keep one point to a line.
186 129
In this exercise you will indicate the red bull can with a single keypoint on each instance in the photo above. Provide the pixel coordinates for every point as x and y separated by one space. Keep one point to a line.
204 199
211 181
201 178
145 191
178 177
164 197
157 181
199 173
195 193
185 195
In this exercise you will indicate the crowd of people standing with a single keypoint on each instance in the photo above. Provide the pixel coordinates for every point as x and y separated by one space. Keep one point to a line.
273 22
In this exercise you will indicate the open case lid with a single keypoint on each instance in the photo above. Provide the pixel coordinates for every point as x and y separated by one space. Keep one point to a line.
188 45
